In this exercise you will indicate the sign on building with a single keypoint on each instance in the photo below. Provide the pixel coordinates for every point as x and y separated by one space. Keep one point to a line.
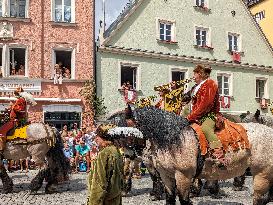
9 85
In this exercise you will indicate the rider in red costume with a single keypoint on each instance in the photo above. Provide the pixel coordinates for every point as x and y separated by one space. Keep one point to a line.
17 114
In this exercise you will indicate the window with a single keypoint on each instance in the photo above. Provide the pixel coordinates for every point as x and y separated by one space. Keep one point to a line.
59 119
261 88
178 75
233 42
202 37
65 60
17 59
1 11
166 31
63 11
18 8
224 84
200 3
129 75
14 8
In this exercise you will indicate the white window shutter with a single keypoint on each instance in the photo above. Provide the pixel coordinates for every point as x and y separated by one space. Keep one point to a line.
73 11
138 87
52 10
27 9
73 64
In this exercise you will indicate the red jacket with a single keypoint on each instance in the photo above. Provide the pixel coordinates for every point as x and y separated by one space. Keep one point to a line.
205 101
18 109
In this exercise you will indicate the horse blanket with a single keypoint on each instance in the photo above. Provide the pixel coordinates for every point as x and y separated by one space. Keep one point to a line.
19 133
233 137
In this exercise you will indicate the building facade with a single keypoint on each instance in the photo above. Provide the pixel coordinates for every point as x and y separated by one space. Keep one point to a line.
47 48
155 42
262 12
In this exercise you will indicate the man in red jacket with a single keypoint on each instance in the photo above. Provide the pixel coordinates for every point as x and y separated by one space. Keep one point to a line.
206 108
17 114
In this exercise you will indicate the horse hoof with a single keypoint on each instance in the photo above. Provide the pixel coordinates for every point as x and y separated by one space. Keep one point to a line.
156 198
33 192
7 191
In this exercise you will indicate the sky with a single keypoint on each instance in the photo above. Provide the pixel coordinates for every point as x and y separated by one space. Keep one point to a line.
113 9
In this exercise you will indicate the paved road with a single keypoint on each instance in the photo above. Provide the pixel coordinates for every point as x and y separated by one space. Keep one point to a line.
74 193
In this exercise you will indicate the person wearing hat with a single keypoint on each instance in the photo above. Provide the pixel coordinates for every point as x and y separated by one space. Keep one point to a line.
17 115
205 109
106 180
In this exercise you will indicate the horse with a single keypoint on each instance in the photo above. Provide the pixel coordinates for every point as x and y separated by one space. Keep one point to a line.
44 144
158 187
177 156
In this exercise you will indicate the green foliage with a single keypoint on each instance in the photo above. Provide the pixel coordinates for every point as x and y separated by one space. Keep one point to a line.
95 104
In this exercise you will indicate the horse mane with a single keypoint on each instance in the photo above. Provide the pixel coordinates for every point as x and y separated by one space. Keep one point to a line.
162 127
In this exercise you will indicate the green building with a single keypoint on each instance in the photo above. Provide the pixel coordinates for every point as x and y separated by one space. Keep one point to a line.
153 42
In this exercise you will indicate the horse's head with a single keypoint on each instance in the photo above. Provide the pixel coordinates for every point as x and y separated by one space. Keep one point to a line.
256 118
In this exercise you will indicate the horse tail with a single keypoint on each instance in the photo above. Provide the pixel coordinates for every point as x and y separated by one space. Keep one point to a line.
58 164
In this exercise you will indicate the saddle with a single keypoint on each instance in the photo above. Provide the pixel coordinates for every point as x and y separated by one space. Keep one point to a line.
232 136
18 133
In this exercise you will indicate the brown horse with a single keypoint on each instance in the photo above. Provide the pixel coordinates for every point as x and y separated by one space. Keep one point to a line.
177 158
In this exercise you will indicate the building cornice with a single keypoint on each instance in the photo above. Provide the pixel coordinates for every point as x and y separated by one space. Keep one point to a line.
47 99
182 58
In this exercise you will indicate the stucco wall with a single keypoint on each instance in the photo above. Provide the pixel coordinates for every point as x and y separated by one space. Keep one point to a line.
156 72
140 30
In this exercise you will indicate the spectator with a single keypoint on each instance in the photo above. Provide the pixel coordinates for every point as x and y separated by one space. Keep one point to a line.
64 133
68 152
13 71
58 76
106 188
82 153
21 70
22 165
75 129
67 73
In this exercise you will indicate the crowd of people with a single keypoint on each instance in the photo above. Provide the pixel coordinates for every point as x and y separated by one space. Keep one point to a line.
61 72
79 147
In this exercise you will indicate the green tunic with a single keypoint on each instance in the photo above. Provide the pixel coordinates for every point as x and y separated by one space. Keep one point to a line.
106 180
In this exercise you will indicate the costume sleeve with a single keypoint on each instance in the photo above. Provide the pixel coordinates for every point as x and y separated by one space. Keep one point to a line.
206 101
20 105
98 182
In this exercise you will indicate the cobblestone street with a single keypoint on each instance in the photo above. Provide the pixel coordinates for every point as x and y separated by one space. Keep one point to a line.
74 193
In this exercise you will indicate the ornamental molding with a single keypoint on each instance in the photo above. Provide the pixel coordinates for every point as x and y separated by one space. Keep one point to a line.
6 31
183 58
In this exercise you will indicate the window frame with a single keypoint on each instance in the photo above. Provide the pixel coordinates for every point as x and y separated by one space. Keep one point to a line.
73 12
230 83
239 41
266 87
173 29
73 61
179 69
206 4
6 60
138 74
208 35
6 10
